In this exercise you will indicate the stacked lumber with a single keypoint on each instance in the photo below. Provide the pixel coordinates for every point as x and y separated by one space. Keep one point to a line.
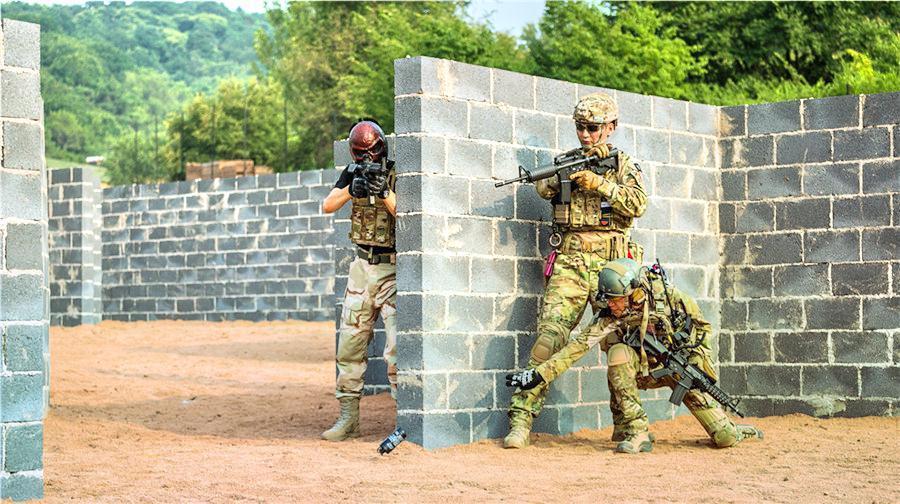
224 169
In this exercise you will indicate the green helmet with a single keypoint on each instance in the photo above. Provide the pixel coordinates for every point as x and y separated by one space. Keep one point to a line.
619 278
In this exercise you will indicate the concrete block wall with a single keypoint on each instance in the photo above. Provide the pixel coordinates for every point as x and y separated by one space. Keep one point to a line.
24 294
249 248
470 254
76 274
810 266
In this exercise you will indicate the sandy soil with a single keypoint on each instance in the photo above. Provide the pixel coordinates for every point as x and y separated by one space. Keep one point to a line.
201 412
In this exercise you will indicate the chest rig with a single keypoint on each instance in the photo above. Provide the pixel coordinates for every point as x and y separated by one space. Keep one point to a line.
589 210
370 221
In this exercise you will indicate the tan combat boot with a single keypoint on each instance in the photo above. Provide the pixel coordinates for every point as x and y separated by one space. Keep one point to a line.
728 437
519 430
636 442
749 431
347 424
619 434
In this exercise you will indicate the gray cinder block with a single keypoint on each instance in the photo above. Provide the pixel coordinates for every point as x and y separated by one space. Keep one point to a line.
21 97
812 147
535 129
773 182
513 89
744 152
555 96
23 146
832 112
21 44
773 117
803 214
861 144
830 380
832 313
801 347
490 122
883 108
881 244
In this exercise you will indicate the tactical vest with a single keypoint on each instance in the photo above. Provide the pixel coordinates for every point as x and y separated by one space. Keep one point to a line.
371 223
589 210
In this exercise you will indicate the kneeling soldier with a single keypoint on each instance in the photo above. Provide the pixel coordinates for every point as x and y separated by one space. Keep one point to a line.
372 281
639 305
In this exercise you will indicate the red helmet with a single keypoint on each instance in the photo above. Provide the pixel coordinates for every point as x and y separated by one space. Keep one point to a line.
367 139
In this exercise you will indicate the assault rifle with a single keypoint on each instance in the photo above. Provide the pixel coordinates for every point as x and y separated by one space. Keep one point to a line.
675 364
566 164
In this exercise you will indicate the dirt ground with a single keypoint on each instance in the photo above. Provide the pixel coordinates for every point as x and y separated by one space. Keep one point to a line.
203 412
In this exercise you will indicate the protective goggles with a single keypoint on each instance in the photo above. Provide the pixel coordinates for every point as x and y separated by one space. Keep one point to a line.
591 127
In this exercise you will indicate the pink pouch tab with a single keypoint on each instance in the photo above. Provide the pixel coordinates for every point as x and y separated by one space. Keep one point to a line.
548 266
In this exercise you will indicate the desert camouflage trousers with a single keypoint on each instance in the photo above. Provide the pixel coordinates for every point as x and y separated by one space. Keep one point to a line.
371 289
567 294
625 380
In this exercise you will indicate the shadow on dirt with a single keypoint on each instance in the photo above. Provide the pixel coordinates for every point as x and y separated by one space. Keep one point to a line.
288 414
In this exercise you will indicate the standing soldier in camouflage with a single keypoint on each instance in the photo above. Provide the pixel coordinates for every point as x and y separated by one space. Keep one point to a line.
639 300
372 282
587 232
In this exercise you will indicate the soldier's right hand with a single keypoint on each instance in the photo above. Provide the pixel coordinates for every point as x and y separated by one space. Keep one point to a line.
525 380
359 188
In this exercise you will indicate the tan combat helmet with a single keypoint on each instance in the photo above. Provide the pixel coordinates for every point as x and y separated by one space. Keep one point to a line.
596 108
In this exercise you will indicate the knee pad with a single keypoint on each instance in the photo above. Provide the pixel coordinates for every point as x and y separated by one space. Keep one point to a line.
618 355
550 339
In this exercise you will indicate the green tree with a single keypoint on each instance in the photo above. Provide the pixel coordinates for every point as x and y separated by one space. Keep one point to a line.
335 60
242 120
132 159
631 49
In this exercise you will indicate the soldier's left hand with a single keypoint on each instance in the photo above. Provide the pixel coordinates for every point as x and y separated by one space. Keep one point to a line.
599 150
378 186
525 380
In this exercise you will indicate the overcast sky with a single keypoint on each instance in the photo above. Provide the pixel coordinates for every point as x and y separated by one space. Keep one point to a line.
505 15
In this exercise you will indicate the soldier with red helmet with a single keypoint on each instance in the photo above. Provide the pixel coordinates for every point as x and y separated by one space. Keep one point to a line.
372 282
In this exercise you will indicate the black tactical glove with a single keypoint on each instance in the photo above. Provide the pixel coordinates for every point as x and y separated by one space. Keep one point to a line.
378 186
359 187
525 380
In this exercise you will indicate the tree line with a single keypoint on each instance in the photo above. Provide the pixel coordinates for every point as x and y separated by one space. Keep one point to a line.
317 67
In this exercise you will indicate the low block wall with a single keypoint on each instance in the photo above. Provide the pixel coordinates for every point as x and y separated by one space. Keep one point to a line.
249 248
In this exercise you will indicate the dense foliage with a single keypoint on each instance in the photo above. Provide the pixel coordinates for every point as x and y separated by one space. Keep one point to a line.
319 66
108 69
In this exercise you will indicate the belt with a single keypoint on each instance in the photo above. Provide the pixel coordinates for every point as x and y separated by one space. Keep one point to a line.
376 258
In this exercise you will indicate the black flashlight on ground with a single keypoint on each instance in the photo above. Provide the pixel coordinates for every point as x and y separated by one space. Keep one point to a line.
392 441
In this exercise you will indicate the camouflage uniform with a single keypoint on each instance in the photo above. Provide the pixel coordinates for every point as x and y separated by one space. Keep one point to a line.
625 377
371 289
594 228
